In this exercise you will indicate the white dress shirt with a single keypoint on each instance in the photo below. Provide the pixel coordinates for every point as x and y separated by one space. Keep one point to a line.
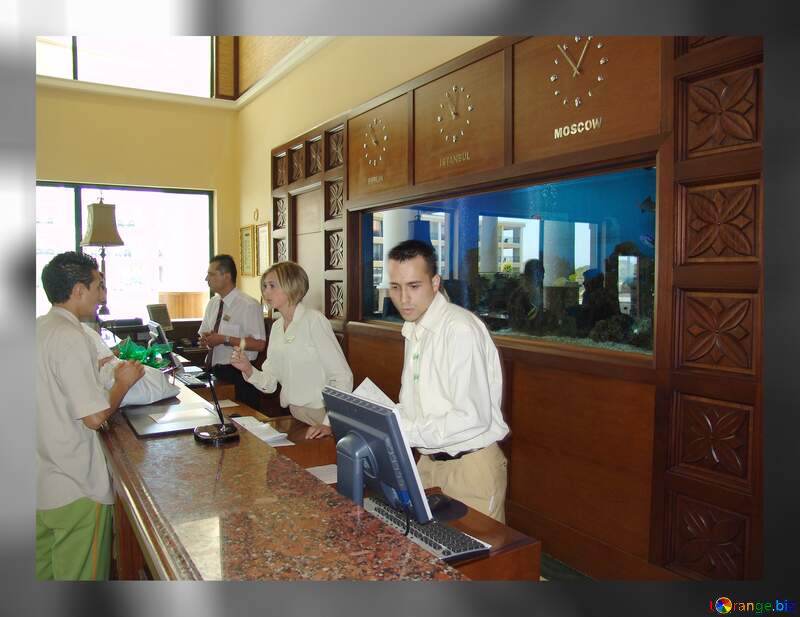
452 382
242 316
69 460
304 359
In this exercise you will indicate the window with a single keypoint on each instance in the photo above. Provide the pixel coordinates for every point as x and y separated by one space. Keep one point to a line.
176 64
571 262
167 237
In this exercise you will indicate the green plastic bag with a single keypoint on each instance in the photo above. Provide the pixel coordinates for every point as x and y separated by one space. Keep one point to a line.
156 355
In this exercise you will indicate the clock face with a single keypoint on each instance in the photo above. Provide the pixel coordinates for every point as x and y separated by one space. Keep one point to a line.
579 70
376 141
453 116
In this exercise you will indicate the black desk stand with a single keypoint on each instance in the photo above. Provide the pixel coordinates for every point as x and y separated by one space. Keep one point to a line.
216 434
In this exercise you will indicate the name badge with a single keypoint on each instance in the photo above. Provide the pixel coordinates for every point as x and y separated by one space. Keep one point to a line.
226 317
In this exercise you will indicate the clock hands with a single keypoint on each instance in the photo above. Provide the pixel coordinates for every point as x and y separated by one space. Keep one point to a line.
585 45
453 105
575 70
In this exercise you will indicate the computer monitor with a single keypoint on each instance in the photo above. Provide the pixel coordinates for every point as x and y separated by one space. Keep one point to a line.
159 313
157 332
138 333
372 450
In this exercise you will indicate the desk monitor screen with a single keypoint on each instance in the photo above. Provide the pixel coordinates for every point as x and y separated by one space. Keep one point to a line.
371 450
139 333
159 313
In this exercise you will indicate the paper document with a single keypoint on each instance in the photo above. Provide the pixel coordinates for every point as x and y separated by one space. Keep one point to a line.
199 412
265 432
371 392
326 473
226 402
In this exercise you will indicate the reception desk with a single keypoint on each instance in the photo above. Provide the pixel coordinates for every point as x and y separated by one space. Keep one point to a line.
248 511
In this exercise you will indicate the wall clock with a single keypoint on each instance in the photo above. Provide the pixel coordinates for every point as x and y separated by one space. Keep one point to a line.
579 64
454 112
376 141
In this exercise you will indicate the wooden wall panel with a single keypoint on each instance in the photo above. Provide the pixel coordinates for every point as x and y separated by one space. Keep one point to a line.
459 121
310 248
377 353
582 448
378 148
617 90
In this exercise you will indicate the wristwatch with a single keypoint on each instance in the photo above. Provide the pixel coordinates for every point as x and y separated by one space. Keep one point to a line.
227 340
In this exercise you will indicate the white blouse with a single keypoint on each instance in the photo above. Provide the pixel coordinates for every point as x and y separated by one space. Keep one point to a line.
303 359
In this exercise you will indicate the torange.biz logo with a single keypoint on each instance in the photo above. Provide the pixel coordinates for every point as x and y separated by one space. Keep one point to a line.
724 605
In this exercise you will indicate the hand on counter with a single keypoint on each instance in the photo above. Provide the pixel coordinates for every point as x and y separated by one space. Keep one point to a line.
318 430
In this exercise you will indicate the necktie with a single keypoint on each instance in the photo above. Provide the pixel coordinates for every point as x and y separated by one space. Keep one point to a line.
216 329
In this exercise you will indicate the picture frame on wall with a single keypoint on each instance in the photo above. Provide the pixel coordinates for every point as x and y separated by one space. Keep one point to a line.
247 250
263 246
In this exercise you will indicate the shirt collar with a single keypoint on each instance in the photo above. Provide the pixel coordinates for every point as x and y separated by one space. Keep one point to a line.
431 319
69 316
231 297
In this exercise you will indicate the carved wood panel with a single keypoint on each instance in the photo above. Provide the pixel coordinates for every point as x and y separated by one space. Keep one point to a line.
314 149
707 542
720 223
335 149
296 163
378 148
279 170
281 250
459 121
280 213
334 299
722 112
717 331
612 97
334 250
334 200
712 440
693 42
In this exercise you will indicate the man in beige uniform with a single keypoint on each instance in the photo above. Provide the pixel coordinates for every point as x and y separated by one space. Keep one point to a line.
73 492
451 386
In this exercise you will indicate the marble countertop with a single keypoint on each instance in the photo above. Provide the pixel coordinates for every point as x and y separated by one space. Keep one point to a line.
244 511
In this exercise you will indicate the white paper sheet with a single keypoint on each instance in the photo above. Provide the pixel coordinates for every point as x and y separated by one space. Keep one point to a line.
326 473
371 392
199 412
226 402
265 432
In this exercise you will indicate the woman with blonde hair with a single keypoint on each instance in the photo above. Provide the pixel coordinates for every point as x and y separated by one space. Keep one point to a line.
303 354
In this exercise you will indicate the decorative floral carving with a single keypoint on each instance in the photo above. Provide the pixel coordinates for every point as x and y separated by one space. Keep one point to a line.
281 214
699 41
719 331
314 157
280 171
335 300
722 111
335 199
709 541
714 437
335 148
720 223
296 166
281 250
335 250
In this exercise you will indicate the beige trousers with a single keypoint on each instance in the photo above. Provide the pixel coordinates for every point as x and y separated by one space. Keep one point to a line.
309 415
478 479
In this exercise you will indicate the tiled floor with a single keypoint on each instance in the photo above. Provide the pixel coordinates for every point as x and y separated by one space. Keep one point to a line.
555 570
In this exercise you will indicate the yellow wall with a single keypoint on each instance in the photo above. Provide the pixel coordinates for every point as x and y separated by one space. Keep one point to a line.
342 75
111 139
117 139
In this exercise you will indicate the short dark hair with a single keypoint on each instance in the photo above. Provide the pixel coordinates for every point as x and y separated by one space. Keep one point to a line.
225 263
415 248
64 271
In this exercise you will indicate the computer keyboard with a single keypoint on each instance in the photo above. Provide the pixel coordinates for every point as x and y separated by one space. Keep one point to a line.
190 380
443 541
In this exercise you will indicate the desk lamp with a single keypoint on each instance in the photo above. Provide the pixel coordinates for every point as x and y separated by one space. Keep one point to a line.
101 230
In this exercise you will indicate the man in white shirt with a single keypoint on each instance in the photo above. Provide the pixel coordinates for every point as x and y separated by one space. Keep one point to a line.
451 386
230 316
73 492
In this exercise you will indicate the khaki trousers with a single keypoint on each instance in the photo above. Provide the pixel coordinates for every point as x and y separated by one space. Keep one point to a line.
309 415
478 479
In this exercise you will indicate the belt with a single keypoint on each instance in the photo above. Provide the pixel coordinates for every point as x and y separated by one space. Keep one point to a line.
444 456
